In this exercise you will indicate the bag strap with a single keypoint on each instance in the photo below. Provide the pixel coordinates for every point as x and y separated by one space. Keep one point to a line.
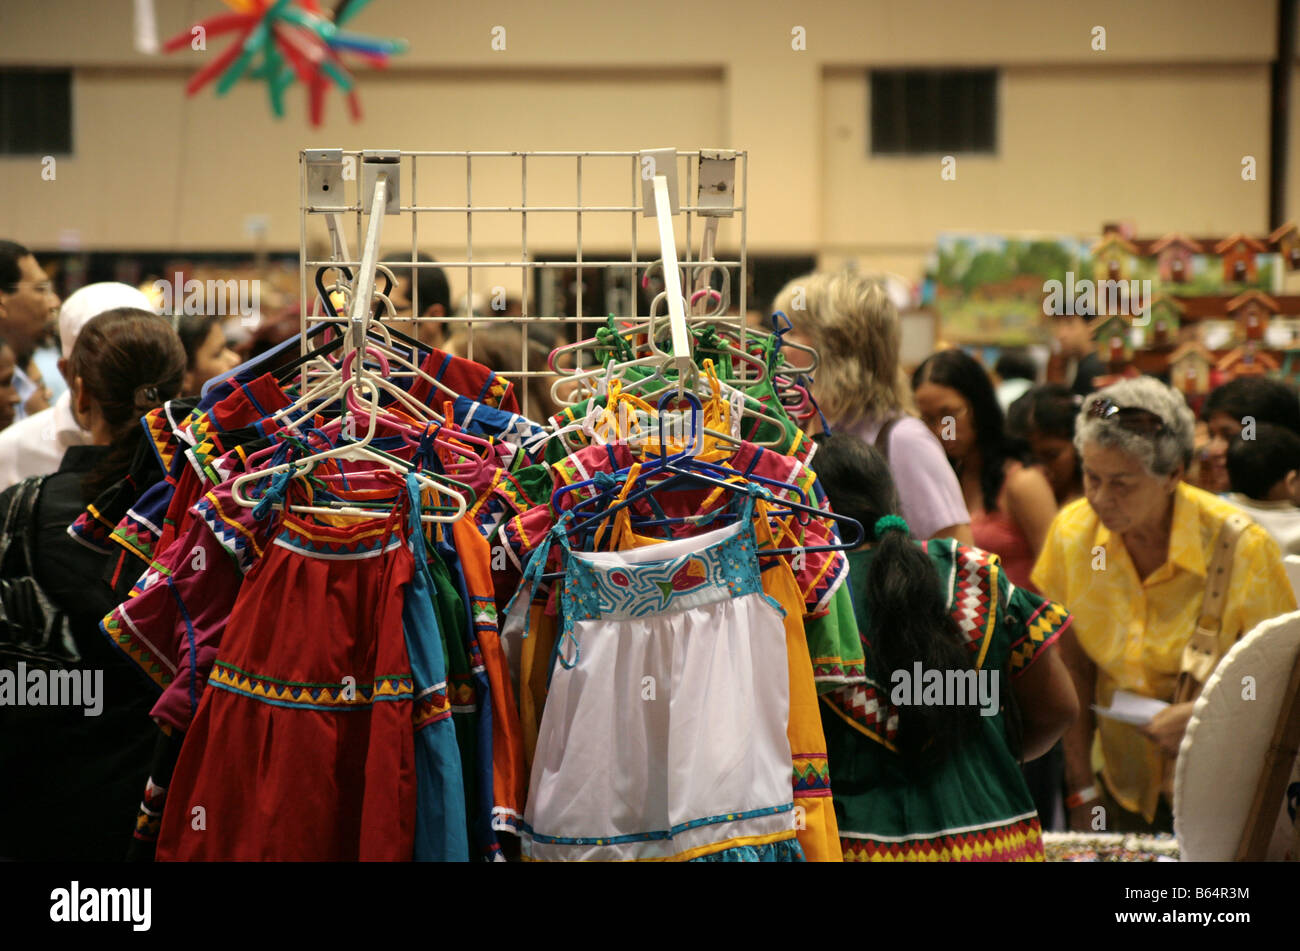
881 442
1201 653
17 518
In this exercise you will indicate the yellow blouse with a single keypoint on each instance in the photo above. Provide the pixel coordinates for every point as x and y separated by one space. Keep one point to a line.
1134 630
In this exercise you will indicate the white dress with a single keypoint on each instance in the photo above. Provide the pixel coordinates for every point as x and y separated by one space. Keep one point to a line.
664 731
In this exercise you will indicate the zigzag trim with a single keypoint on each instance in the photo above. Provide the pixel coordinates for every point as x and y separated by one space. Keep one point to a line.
971 607
232 536
860 707
1019 840
339 552
311 696
93 530
462 697
818 594
116 627
812 775
1047 624
834 670
136 537
431 707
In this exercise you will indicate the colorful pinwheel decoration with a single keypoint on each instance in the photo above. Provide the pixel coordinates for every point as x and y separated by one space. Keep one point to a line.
279 41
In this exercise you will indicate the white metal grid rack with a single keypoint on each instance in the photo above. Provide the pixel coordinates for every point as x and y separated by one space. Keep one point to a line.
526 222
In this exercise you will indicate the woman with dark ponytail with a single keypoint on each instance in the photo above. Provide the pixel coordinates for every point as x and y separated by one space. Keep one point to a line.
75 755
925 757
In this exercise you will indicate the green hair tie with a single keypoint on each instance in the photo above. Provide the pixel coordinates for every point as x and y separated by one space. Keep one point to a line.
887 523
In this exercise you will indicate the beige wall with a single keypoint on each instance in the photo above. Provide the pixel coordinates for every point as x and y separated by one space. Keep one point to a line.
1152 129
1077 146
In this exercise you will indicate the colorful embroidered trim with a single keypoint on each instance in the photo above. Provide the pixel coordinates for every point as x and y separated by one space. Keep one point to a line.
834 670
117 629
431 706
860 706
311 696
363 545
1047 624
1017 841
659 835
234 537
812 775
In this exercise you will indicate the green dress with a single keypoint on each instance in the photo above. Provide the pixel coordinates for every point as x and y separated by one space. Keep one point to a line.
975 806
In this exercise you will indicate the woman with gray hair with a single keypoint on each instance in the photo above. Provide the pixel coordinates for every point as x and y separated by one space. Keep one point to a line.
1132 562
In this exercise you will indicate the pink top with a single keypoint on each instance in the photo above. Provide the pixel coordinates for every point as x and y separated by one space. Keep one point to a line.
929 494
998 533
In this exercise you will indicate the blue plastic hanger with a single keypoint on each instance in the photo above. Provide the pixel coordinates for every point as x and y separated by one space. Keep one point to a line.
682 468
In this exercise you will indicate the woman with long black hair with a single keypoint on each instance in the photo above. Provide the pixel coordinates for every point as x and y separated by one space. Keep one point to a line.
76 746
1011 505
964 683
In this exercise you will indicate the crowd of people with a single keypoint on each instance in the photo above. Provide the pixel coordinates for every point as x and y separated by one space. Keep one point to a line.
1107 502
1085 522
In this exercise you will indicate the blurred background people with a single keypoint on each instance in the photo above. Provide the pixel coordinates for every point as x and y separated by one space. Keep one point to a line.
1011 505
1014 373
1049 411
853 324
28 306
500 346
434 302
1129 560
9 398
1231 407
207 353
83 774
36 445
1264 475
1073 337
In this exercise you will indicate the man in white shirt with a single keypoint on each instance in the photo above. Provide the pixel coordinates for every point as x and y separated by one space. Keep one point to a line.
27 307
35 445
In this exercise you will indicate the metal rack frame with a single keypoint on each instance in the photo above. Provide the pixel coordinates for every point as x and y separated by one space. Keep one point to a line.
713 180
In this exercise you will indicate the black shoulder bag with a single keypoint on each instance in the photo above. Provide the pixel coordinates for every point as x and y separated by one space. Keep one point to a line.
32 629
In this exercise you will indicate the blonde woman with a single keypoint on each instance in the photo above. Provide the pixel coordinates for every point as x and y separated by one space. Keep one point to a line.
853 324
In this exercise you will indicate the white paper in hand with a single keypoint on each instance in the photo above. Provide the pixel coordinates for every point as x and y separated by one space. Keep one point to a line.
1130 708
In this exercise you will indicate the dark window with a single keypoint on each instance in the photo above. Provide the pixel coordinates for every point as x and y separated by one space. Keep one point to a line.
35 112
922 111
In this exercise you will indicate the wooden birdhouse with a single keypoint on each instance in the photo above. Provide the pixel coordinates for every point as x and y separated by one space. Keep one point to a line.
1174 257
1112 258
1286 242
1247 360
1166 321
1189 369
1238 253
1252 311
1114 345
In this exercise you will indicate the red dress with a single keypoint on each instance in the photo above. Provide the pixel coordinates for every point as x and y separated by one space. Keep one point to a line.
303 749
